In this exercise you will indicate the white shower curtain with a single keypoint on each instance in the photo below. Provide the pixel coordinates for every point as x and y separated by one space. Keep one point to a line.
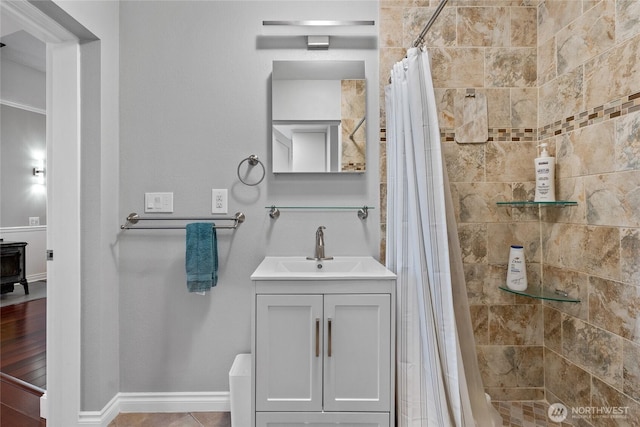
438 381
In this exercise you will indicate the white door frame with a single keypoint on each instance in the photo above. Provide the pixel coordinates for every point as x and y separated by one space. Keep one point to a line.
61 404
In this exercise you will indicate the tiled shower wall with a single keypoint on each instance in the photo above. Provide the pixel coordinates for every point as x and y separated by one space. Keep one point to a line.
566 72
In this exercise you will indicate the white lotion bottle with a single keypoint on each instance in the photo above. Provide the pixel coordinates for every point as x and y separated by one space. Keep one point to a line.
545 176
516 270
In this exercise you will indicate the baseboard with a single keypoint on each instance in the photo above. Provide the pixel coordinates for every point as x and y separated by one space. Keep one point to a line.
36 277
157 402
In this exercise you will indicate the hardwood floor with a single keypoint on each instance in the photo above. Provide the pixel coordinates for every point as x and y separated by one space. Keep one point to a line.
23 339
23 366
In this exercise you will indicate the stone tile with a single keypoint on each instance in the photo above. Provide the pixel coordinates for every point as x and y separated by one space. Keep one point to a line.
483 26
511 67
480 323
574 283
613 199
561 97
629 254
524 107
566 380
465 162
511 366
588 36
596 350
627 19
554 15
615 307
627 142
483 282
391 18
515 394
501 236
213 419
510 161
515 325
498 107
571 189
587 151
442 33
613 74
473 242
593 250
631 370
524 26
445 106
605 396
459 67
155 420
552 329
547 62
524 191
476 201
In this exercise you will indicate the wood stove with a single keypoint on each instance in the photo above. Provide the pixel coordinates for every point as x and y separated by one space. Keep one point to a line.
13 266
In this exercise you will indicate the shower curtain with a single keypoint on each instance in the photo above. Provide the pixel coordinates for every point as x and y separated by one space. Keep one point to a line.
438 381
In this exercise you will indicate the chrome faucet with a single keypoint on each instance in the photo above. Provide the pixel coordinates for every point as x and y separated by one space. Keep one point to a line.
320 245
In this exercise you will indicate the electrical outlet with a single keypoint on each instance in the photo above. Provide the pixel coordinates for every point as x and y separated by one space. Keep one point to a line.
34 220
219 201
158 202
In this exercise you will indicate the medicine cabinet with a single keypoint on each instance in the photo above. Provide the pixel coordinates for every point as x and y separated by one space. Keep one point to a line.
318 116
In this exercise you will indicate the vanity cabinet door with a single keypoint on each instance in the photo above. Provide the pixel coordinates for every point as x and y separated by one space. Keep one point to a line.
357 363
288 352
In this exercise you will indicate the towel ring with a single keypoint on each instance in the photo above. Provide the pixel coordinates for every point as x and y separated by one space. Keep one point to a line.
253 160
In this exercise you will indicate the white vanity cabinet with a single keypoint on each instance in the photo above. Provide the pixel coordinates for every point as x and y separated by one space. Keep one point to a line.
323 353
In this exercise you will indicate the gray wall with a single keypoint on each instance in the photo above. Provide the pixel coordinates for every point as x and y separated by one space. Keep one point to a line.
195 101
22 140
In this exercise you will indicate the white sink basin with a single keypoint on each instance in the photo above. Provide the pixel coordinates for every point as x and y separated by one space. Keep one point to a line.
301 268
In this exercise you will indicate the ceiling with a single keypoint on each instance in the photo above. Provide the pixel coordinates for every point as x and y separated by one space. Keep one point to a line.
25 49
20 46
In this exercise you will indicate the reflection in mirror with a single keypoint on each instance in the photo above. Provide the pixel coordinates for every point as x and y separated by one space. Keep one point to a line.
319 116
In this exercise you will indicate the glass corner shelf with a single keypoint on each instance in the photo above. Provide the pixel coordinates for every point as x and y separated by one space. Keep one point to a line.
523 203
543 294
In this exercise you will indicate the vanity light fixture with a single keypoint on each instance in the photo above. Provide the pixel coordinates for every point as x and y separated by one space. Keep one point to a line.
319 23
319 42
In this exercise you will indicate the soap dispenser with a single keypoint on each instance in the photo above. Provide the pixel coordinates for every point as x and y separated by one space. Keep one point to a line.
545 176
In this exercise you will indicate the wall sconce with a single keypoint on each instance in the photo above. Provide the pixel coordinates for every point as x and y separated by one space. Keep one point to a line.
38 171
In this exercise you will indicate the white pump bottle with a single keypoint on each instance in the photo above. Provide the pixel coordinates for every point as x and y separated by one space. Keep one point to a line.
545 176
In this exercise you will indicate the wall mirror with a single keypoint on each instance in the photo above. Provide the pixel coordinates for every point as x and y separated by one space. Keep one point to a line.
319 116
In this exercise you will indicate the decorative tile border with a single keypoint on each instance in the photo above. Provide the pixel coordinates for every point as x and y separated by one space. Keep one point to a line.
611 110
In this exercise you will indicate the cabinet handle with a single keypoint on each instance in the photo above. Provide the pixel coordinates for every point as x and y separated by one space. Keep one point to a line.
317 337
329 343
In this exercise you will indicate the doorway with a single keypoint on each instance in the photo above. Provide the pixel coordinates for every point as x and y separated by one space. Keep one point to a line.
71 116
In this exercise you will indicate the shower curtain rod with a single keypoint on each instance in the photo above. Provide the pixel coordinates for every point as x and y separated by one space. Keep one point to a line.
418 41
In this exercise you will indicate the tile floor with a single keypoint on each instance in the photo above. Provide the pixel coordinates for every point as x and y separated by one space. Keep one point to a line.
193 419
514 414
526 414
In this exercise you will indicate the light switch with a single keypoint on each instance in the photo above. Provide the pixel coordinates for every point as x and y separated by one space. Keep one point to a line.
158 202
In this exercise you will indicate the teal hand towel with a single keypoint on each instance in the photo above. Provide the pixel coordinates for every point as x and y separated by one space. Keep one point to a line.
201 261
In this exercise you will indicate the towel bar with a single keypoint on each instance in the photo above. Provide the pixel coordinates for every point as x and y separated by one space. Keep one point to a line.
133 219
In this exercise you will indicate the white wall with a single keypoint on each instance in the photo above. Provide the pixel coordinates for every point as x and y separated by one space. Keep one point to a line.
23 146
22 85
195 101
